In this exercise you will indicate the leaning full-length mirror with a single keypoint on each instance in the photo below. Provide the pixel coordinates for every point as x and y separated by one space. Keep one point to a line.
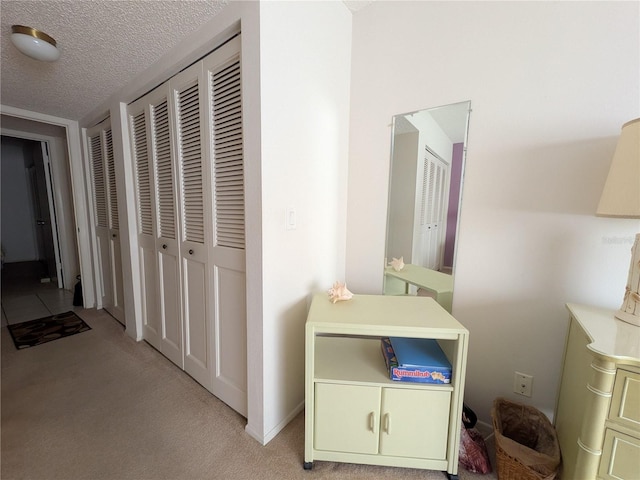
427 168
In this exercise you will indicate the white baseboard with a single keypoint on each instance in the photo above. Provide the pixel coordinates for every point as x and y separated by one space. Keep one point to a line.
485 429
271 434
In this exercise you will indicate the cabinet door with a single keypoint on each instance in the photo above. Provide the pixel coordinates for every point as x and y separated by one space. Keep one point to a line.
625 405
620 457
414 423
346 418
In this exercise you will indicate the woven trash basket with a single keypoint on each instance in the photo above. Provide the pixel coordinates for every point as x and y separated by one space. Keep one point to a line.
526 443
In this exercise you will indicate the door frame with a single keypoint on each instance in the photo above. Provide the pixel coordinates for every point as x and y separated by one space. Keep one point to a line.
77 186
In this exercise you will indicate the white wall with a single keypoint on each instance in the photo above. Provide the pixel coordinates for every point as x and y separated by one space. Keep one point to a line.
305 54
550 85
402 202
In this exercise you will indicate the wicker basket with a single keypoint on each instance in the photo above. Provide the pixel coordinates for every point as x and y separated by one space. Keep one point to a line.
526 443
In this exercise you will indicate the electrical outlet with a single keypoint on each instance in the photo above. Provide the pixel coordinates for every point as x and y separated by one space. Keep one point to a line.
523 384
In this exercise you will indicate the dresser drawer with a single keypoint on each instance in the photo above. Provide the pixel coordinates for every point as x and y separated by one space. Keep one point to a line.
620 457
625 402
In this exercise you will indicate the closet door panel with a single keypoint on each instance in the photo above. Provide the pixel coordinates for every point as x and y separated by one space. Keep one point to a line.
149 273
225 139
230 375
104 270
194 201
196 352
431 227
170 316
140 140
165 193
116 307
100 214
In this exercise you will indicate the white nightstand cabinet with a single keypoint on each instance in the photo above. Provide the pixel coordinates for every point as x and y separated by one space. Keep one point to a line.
598 411
354 413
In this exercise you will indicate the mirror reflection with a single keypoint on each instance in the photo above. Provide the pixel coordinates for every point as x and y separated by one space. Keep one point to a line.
427 167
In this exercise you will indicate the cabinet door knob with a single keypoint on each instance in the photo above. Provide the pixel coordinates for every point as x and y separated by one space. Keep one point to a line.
190 252
114 235
372 422
164 246
387 423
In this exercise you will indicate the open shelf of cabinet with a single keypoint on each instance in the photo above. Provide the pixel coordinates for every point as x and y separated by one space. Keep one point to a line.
354 412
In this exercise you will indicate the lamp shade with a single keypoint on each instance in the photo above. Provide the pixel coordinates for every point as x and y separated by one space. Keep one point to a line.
34 43
621 193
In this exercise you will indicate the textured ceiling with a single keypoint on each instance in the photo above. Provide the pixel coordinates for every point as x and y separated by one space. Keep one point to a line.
103 45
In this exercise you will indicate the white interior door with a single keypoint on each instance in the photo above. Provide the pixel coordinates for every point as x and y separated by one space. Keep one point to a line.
48 212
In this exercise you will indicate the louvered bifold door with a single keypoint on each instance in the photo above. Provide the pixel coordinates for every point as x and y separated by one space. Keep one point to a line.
100 214
225 138
195 233
138 113
433 211
117 304
167 248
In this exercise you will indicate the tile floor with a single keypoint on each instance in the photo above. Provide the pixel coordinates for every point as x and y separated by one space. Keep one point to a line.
24 297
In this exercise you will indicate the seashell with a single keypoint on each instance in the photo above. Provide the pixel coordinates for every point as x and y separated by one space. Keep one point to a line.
397 264
339 292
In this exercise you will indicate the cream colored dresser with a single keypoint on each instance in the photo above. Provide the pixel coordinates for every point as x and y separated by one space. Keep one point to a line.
353 412
598 410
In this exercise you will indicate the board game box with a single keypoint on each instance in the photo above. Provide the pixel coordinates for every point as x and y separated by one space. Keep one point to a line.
418 360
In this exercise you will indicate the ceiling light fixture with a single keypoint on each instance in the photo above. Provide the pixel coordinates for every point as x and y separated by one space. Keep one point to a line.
34 43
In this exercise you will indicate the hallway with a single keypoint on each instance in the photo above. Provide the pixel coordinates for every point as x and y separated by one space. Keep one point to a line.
25 297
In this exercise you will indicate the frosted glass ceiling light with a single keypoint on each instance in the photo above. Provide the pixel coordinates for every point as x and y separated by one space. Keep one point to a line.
34 43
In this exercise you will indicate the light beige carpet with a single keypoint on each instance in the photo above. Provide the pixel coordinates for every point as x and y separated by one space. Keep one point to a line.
98 405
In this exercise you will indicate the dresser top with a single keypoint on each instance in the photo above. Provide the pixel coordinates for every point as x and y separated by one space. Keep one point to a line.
610 337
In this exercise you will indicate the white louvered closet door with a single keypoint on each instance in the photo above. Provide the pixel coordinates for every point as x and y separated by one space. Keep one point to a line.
116 308
433 208
188 153
195 207
166 244
224 136
100 215
139 133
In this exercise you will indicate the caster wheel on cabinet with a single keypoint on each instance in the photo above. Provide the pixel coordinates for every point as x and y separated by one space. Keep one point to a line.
307 465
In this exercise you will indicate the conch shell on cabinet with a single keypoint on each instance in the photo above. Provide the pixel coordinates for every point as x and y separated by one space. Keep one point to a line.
397 264
339 292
